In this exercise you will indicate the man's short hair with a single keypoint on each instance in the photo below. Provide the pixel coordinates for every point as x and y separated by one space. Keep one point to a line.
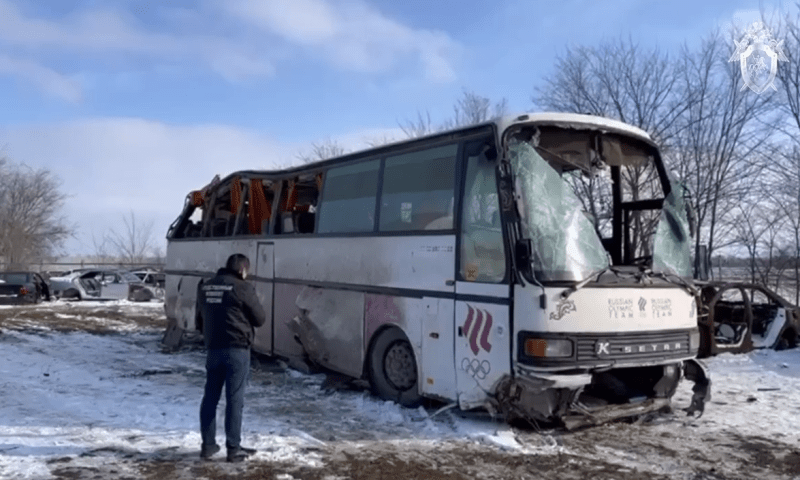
238 262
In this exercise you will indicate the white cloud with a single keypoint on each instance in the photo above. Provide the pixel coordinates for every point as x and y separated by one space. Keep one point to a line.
109 31
47 79
352 35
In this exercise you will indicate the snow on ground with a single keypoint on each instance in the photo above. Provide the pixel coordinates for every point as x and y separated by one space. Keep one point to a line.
105 401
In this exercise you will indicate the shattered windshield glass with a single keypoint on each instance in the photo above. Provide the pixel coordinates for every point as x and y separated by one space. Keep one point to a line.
564 240
672 249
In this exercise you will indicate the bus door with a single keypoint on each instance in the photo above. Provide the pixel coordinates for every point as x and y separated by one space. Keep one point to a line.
263 276
482 333
483 340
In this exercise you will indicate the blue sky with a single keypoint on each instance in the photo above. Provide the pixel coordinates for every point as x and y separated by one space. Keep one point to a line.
134 103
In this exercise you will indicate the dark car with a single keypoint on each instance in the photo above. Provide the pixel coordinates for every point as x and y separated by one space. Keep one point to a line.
739 317
23 287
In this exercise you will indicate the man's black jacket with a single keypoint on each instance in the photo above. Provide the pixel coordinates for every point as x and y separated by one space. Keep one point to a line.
229 310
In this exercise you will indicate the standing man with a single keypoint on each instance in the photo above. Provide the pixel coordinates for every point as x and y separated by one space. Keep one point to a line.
228 312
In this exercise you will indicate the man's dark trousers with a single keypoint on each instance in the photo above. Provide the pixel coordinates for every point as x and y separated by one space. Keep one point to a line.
228 366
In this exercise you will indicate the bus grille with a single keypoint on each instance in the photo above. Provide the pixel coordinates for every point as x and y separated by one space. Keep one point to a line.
636 346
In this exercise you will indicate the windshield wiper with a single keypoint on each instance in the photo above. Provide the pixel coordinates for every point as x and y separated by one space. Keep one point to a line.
591 277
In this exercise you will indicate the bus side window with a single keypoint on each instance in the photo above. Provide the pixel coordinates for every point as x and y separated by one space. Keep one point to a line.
418 190
259 207
298 204
348 199
482 249
221 218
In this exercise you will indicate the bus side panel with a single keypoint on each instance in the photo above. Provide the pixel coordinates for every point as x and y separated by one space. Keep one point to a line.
481 350
196 260
438 376
331 328
423 263
284 343
262 269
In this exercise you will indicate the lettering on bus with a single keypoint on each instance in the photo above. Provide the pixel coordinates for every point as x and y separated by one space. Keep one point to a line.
662 307
620 308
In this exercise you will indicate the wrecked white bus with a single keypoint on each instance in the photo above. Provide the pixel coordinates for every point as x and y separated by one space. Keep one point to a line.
538 266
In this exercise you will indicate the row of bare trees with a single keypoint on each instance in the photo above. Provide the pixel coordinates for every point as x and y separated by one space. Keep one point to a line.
470 108
33 227
737 151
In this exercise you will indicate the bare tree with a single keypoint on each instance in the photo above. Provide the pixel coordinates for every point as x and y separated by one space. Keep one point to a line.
617 79
784 194
420 127
788 73
31 225
100 246
135 243
722 135
322 150
469 109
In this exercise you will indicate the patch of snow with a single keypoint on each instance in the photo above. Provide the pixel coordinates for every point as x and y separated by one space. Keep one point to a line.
77 395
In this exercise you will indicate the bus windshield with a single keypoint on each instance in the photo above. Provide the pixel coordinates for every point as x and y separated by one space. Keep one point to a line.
590 199
565 245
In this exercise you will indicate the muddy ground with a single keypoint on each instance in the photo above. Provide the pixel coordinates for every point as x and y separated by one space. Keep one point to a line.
652 447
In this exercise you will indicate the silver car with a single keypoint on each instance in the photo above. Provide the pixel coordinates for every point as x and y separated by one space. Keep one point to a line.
94 284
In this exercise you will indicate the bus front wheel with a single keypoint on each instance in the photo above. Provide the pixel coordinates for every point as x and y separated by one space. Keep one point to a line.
393 369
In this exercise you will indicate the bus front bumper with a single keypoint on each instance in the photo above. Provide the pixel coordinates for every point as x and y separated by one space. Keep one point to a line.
557 398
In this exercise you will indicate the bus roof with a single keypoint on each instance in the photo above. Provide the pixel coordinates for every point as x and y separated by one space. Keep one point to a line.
556 119
574 120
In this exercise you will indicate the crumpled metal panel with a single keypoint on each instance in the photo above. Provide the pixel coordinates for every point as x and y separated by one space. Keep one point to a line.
330 328
672 245
565 243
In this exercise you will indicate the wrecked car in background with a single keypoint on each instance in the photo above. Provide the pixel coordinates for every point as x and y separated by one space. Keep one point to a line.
23 287
151 286
738 317
94 284
538 266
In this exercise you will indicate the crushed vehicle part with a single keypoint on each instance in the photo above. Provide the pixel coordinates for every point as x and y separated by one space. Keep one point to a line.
701 392
738 317
582 400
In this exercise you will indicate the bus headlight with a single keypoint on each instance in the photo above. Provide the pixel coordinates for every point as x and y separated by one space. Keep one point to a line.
548 348
694 340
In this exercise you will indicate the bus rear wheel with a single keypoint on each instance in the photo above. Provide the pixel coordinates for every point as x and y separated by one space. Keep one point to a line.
393 369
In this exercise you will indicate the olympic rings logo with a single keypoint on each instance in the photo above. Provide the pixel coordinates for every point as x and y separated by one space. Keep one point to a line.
477 368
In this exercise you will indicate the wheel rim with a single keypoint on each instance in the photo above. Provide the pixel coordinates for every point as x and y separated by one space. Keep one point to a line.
399 366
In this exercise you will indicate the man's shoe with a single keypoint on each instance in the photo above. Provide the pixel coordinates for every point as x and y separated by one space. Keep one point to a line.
208 451
239 454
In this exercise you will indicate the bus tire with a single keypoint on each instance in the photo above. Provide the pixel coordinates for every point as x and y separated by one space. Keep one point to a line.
393 369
